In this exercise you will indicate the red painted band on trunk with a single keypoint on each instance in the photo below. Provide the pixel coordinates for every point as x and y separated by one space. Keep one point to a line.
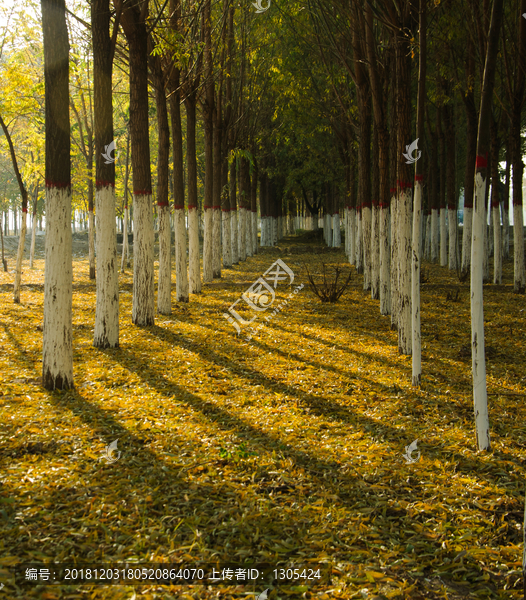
126 207
419 178
481 162
57 184
179 206
163 204
404 185
24 210
216 207
207 207
101 183
190 206
142 193
393 191
519 203
225 209
336 213
451 207
383 205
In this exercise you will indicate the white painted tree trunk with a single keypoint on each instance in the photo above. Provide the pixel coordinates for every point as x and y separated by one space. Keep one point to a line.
242 236
181 268
265 231
366 235
491 238
248 231
193 251
327 229
466 239
453 232
416 342
428 238
385 282
227 239
336 232
486 255
443 238
359 243
505 230
106 334
352 236
375 253
275 231
346 229
234 232
57 346
404 271
497 246
125 240
435 247
518 249
33 239
394 262
216 262
208 246
143 304
164 282
91 244
254 233
20 258
480 397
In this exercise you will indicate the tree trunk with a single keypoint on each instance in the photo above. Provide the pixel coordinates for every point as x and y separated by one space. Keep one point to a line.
254 210
57 349
417 210
449 118
106 333
125 242
233 212
505 208
243 171
495 207
193 217
216 192
208 118
143 305
480 397
404 216
33 229
181 267
164 282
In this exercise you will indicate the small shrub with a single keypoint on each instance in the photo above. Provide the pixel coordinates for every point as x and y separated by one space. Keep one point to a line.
329 291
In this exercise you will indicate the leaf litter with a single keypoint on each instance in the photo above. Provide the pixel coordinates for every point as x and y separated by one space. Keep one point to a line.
287 447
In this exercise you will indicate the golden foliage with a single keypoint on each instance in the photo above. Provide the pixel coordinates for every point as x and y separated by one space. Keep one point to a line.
287 447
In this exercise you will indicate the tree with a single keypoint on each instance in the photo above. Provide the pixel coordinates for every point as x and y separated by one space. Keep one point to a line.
106 333
480 397
57 349
134 25
23 193
417 209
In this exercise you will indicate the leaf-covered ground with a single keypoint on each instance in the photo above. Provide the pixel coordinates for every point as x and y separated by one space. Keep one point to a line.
288 447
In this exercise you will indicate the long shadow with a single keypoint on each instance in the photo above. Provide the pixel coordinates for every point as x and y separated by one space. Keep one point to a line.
326 408
302 359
